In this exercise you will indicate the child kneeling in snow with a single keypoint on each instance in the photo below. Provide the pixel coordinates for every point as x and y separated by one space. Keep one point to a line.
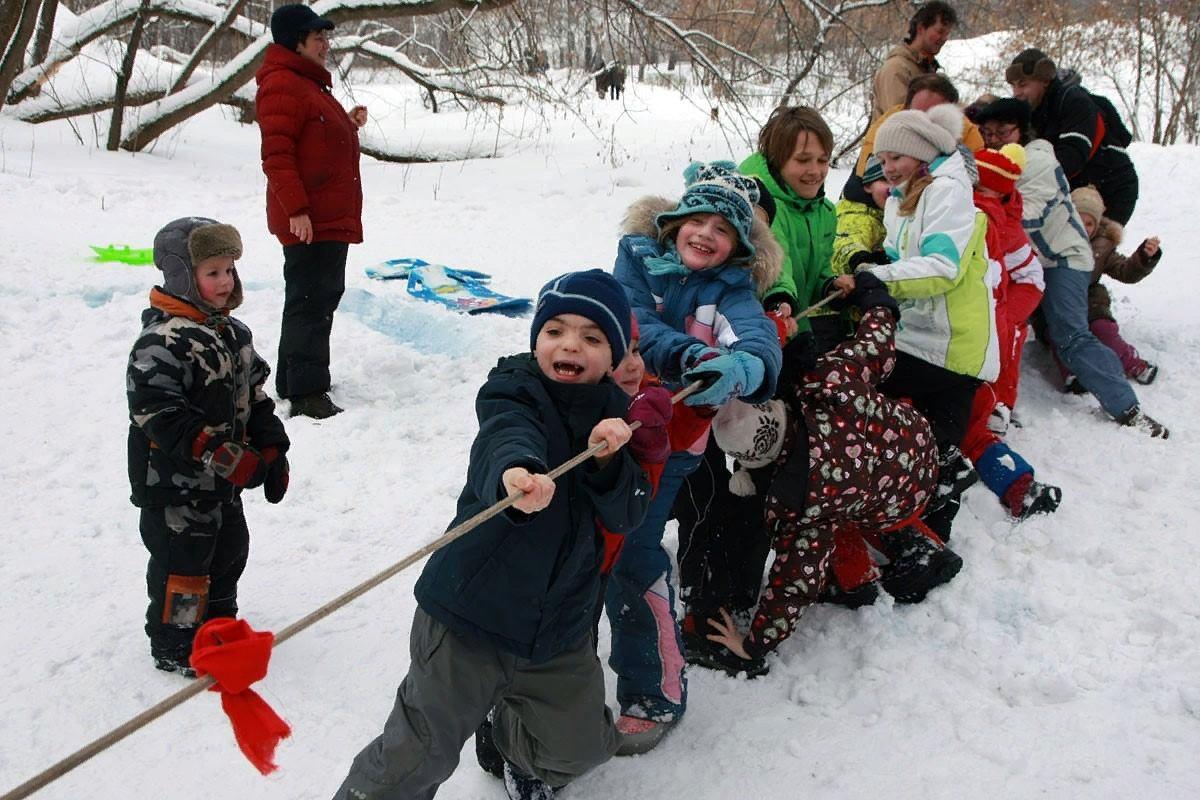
501 641
836 455
201 429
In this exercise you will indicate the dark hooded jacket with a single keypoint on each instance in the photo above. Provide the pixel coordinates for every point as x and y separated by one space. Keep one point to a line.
1089 144
528 583
193 368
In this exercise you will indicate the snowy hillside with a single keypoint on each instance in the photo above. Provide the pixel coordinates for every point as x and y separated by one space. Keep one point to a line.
1064 661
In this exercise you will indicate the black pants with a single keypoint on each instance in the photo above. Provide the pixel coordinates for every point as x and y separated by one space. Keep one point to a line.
314 277
944 397
197 554
723 544
1119 188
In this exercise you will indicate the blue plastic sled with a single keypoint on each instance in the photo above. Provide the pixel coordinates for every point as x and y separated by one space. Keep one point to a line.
461 290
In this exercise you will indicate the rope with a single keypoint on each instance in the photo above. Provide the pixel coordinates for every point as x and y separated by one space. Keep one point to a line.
106 741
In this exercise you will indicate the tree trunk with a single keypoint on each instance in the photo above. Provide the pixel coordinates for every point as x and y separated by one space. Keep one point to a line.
118 112
14 56
207 43
45 30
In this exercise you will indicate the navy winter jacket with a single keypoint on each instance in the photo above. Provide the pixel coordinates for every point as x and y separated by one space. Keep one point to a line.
529 583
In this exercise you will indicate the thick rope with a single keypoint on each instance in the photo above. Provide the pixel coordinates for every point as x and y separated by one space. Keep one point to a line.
101 744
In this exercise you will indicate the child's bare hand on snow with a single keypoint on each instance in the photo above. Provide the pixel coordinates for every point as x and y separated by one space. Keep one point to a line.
728 635
538 489
614 433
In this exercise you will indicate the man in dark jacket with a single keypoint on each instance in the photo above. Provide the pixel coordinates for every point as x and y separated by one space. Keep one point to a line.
501 640
314 197
1088 136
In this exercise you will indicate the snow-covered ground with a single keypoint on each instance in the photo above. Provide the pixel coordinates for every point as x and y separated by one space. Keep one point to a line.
1064 661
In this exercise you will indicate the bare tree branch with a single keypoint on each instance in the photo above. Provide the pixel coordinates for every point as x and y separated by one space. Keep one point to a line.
207 43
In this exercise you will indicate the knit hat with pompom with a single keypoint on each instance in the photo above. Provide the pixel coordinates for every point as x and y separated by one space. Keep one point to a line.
923 135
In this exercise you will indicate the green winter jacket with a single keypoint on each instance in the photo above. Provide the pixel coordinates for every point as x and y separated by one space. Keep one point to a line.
805 230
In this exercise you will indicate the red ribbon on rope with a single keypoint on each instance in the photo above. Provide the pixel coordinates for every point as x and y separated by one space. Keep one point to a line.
236 656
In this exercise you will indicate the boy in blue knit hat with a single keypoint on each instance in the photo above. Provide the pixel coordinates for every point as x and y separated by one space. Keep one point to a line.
501 643
692 269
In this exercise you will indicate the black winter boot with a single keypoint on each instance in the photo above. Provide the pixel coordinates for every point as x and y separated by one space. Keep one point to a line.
486 752
916 565
316 406
525 787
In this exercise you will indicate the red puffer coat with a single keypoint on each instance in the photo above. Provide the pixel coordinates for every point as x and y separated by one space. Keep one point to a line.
309 150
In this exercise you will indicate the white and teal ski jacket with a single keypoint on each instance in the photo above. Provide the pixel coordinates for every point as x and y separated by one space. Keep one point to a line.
939 275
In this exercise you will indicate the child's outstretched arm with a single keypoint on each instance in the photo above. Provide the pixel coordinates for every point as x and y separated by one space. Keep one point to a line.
510 436
538 489
618 486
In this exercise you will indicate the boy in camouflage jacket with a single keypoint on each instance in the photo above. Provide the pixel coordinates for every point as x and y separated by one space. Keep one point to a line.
201 430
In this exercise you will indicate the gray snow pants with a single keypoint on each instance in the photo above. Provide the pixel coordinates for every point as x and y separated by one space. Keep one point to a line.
551 719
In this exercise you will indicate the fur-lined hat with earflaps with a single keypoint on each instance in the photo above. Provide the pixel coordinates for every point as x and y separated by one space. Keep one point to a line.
765 266
184 243
1031 63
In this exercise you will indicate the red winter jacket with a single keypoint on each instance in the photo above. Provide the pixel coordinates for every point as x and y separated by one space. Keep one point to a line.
309 150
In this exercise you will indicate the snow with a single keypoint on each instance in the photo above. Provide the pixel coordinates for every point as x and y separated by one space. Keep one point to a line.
1063 661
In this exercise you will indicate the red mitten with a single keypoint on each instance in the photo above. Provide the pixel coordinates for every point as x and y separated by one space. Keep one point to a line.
652 408
237 463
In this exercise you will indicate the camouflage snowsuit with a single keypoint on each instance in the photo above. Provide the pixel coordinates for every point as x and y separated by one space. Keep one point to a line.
190 372
852 460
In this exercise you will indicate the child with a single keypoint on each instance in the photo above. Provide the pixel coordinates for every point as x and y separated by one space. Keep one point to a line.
690 270
504 615
201 429
860 231
1061 243
1105 234
835 456
1019 285
792 160
938 272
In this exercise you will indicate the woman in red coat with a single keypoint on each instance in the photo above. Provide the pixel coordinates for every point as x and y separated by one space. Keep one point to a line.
314 197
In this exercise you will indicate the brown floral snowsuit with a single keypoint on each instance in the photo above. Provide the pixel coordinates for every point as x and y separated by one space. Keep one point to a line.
870 464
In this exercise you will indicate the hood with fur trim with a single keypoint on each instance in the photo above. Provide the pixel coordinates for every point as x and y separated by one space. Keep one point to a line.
1110 229
764 267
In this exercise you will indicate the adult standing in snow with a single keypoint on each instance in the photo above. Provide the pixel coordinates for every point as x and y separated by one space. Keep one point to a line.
1087 134
928 30
1058 235
314 197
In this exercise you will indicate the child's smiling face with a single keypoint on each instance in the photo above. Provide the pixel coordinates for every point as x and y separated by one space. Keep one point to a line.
215 280
570 348
705 241
629 373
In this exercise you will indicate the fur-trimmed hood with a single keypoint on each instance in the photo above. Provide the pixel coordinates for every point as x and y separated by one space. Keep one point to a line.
766 265
1110 229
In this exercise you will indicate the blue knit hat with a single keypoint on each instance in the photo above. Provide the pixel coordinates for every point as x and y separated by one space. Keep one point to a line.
873 171
593 294
718 188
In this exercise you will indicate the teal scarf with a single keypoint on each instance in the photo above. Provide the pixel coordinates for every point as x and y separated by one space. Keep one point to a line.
666 264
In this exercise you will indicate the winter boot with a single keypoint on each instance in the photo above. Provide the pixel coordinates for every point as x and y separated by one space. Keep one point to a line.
916 564
316 406
1146 374
641 735
525 787
857 597
1136 418
1026 497
175 664
486 752
956 474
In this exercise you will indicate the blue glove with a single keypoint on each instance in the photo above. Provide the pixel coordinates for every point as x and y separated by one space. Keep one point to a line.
735 374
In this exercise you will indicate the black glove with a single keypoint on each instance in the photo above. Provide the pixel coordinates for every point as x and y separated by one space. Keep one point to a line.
275 483
868 257
870 292
776 299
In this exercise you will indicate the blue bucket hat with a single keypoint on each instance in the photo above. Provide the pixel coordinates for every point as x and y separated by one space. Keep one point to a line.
718 188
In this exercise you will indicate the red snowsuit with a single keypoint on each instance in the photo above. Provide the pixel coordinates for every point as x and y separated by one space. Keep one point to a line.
1018 293
309 150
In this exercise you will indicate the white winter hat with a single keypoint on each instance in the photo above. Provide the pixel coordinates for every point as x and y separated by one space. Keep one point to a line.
924 135
751 432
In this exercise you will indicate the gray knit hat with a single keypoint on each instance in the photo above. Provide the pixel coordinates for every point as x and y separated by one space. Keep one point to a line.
924 135
185 242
